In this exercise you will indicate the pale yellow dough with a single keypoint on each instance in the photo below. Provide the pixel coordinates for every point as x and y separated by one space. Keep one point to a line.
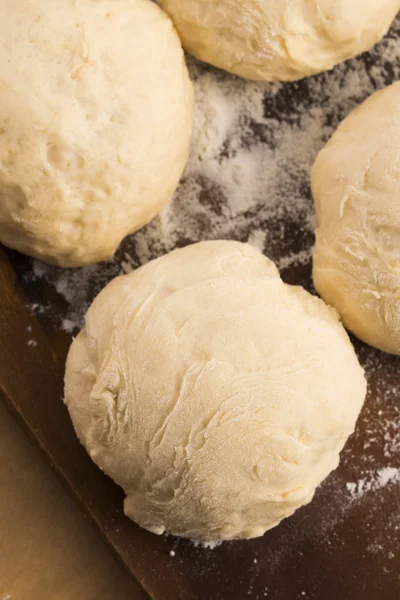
279 40
356 186
95 118
217 396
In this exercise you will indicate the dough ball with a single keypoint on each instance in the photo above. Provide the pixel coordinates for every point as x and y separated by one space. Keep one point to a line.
279 40
95 117
217 396
356 186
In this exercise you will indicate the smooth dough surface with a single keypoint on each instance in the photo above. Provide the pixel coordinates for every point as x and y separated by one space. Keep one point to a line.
95 118
217 396
279 40
356 186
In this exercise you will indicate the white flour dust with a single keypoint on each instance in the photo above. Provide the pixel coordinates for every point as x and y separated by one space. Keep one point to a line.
375 480
207 545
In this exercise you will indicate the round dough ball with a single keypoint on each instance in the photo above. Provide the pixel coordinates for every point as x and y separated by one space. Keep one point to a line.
95 117
356 186
279 40
217 396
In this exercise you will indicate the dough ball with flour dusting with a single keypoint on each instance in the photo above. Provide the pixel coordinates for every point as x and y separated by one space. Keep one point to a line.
279 40
95 118
356 186
217 396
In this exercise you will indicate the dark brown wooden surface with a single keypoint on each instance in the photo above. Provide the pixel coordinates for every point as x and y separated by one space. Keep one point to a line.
336 548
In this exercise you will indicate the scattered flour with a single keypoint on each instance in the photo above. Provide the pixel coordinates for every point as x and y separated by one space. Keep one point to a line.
68 325
374 481
207 545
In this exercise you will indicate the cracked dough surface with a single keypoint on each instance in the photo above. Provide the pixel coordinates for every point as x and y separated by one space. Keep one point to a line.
279 40
356 186
95 118
217 396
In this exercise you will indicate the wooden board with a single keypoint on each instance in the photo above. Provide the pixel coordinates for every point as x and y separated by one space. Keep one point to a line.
345 545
